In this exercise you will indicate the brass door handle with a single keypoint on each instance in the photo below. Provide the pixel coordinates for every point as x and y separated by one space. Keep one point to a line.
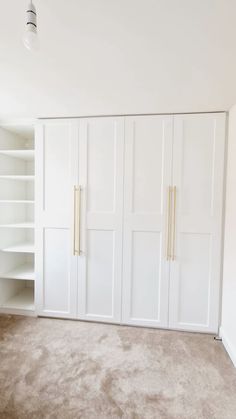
173 256
169 212
76 250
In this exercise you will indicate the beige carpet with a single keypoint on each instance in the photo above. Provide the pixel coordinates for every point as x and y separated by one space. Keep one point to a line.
61 369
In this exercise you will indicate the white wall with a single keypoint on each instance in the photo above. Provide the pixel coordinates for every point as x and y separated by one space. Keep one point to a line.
228 329
101 57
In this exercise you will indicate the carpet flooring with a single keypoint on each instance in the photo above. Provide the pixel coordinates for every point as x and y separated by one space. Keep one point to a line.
61 369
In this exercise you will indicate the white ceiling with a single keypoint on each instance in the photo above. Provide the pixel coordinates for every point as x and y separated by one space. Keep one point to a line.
118 57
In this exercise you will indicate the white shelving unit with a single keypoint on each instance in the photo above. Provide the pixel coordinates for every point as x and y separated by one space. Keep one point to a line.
17 275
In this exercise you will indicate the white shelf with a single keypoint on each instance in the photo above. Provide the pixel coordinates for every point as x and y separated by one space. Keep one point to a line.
17 177
19 154
15 201
24 272
18 225
20 248
22 301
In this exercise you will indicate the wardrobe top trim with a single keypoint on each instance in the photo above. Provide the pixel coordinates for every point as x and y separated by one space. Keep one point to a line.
125 115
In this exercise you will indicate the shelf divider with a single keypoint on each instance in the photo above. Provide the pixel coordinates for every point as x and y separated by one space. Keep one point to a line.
16 201
27 155
23 272
24 178
18 225
20 248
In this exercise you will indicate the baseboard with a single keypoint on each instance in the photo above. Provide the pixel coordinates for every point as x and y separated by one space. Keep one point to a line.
228 346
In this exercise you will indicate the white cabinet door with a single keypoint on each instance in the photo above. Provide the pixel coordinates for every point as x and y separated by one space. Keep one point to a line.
101 153
198 167
148 162
56 174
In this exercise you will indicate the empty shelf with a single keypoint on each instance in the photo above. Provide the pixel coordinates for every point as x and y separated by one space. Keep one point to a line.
24 300
20 248
19 154
24 272
15 201
17 177
18 225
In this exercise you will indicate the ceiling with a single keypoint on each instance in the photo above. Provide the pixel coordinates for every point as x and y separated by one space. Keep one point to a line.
118 57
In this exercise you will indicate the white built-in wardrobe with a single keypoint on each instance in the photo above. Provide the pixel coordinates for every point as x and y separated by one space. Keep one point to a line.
129 219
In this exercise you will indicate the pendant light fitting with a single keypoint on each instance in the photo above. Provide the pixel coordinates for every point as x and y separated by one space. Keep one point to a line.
30 38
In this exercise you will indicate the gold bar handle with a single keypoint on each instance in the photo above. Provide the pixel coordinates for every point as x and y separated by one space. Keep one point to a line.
77 190
168 250
173 256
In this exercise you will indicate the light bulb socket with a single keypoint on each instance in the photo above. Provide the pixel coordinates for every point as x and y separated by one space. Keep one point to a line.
31 18
30 38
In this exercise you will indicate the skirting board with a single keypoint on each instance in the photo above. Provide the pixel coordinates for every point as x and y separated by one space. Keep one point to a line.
228 346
